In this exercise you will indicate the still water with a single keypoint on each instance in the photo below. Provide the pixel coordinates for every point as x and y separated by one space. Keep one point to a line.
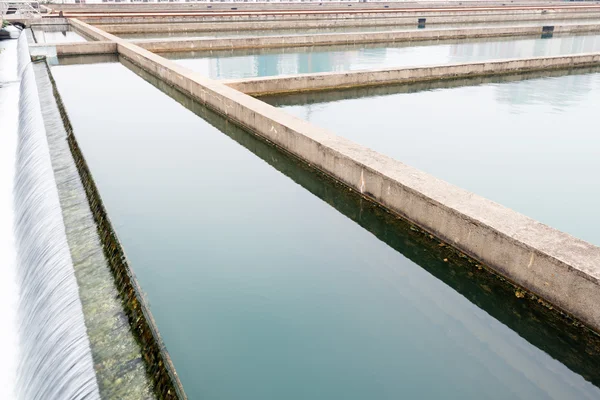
277 32
269 282
530 145
57 34
271 62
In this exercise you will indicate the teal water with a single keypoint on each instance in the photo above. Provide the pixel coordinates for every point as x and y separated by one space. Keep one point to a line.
530 145
272 62
268 281
276 32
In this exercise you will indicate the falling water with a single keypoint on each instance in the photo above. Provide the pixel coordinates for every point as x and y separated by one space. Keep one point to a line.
55 359
9 111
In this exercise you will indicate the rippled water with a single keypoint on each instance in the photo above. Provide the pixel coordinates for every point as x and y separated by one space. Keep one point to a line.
267 282
271 62
530 145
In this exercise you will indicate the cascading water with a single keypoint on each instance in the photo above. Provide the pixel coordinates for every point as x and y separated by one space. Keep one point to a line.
9 111
55 360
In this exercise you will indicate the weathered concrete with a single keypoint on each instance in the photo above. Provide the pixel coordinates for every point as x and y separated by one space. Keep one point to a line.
305 97
160 369
548 19
188 46
76 48
97 19
118 360
289 6
558 267
202 44
341 80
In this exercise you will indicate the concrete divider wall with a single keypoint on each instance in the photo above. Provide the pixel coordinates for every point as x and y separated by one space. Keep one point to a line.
199 44
76 48
337 80
558 267
284 5
335 23
563 12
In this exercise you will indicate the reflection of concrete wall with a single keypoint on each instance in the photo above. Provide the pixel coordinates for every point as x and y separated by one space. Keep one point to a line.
530 47
560 93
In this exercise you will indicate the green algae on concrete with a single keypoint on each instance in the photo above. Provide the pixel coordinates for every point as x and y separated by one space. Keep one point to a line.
559 335
157 362
120 371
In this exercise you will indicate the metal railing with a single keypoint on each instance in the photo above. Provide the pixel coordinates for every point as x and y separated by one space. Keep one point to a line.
19 8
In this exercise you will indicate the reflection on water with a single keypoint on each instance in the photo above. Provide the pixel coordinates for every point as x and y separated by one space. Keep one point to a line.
57 34
272 62
262 290
305 31
530 145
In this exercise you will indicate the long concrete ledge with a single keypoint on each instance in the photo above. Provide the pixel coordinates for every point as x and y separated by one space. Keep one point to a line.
199 44
327 96
75 48
337 80
564 12
289 6
558 267
548 19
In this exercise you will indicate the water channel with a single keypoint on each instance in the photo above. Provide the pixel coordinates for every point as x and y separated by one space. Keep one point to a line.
271 62
267 280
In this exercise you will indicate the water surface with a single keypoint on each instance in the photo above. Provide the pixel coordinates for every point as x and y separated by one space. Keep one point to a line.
276 32
262 290
530 145
58 34
272 62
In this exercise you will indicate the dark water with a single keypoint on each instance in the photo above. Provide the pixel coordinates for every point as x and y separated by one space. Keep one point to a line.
528 145
268 281
275 32
271 62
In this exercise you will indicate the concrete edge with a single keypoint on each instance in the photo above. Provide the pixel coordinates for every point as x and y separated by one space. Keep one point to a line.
554 265
75 48
201 44
160 368
379 77
392 23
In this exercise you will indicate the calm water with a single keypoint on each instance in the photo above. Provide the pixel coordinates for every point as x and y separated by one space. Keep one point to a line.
270 62
274 32
262 289
529 145
58 34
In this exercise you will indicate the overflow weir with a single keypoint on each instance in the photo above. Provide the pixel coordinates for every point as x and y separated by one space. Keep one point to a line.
515 299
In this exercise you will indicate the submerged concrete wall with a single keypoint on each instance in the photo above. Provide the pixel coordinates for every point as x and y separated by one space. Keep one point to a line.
558 267
199 44
341 80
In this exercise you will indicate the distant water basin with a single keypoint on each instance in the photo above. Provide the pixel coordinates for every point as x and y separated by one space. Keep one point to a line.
57 34
273 62
279 32
530 145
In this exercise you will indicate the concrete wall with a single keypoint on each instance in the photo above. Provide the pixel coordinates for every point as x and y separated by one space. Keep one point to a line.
548 19
77 48
309 16
228 43
293 5
337 80
558 267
